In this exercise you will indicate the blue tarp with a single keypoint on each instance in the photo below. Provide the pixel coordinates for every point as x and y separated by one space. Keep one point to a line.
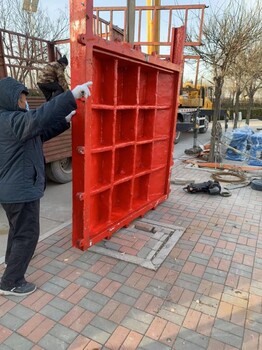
239 141
256 149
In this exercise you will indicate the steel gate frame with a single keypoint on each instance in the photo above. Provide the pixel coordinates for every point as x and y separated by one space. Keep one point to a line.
122 137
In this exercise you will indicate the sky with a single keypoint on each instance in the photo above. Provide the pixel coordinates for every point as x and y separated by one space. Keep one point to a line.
53 6
214 6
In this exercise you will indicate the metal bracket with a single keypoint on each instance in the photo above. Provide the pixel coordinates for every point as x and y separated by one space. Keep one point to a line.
80 196
81 149
81 38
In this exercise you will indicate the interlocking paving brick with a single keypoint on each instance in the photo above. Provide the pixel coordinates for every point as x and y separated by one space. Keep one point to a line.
132 292
229 327
90 305
52 288
158 292
251 340
22 312
63 333
39 331
254 321
199 258
103 324
15 339
171 316
120 266
134 325
119 313
205 324
241 270
117 338
184 281
90 276
156 328
84 282
61 304
96 334
52 312
206 305
51 269
256 288
196 339
227 337
82 264
61 282
205 295
80 323
140 315
97 297
51 342
160 284
11 322
117 277
151 344
4 333
223 253
219 278
124 298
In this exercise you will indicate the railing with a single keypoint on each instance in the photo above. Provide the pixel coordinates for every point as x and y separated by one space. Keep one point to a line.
191 16
23 56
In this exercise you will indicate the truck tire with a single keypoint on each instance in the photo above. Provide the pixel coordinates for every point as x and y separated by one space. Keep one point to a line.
60 171
178 136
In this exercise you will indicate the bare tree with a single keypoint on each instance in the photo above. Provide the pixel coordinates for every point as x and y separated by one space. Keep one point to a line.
25 54
38 24
225 36
238 75
253 76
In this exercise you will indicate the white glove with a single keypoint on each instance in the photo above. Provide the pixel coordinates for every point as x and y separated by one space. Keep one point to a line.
69 116
82 90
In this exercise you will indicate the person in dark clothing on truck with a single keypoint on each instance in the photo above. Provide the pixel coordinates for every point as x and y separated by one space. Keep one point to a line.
51 80
22 171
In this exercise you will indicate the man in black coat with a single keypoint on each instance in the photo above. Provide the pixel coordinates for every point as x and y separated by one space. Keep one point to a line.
22 171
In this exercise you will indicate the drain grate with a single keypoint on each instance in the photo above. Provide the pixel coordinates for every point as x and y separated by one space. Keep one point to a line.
145 242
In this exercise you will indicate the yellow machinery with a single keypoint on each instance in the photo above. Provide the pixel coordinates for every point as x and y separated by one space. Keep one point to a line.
153 26
196 96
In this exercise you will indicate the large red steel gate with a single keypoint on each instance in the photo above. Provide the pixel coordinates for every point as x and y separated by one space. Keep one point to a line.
122 137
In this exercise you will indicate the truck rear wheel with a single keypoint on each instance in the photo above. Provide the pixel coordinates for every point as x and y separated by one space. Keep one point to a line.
60 171
178 136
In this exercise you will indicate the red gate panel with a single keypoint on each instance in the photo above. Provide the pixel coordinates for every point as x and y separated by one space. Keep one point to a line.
122 137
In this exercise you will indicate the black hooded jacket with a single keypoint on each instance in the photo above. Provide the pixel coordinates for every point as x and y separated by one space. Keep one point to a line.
22 132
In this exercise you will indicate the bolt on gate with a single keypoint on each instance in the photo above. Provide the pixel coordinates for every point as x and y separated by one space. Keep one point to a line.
122 136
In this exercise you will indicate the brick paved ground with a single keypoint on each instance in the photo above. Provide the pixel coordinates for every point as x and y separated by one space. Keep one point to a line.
207 294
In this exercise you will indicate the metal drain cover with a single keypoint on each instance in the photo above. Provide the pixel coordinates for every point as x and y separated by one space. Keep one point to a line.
153 240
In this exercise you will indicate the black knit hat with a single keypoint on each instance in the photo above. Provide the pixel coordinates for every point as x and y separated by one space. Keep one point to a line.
63 60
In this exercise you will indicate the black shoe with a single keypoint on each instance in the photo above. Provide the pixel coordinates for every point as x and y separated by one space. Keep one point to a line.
24 289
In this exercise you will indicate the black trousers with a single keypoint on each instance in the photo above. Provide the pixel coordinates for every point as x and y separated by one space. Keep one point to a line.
23 236
50 90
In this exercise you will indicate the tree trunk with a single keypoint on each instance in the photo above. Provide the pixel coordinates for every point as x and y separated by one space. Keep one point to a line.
217 103
237 104
249 106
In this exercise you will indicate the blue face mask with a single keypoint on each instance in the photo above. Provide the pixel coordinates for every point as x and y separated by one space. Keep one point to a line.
27 106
